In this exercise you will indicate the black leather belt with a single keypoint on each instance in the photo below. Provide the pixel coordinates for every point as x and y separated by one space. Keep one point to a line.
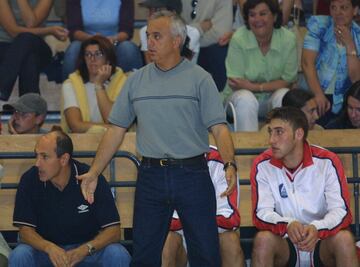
169 161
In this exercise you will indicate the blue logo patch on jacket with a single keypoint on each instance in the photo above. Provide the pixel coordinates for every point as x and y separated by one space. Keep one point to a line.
282 191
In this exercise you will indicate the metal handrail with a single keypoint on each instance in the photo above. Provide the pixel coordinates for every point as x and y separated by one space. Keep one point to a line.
354 151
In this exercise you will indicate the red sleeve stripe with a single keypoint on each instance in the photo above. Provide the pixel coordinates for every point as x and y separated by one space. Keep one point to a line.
322 153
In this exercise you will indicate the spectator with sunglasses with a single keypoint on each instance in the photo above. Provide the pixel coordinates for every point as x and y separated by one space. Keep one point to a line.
213 19
88 94
29 114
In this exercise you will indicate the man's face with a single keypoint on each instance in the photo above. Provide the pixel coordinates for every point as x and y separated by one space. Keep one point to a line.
47 162
281 139
353 110
26 122
342 11
310 110
161 44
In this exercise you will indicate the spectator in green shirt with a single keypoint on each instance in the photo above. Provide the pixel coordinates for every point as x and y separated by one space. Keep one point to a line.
261 63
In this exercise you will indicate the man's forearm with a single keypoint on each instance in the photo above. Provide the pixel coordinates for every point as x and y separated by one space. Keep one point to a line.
108 146
107 236
29 236
224 142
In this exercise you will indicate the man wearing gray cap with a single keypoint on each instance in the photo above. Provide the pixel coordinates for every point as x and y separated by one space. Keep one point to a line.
29 114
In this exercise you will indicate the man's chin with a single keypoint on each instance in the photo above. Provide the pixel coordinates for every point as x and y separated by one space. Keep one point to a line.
42 178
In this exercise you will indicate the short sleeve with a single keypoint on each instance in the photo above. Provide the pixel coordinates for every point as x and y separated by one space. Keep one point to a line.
24 211
315 30
122 113
211 107
106 211
68 94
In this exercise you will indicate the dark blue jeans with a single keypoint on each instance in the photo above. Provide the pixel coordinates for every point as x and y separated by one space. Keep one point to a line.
189 190
113 255
24 57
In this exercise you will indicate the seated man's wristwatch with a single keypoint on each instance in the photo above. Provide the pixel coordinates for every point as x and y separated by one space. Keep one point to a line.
91 249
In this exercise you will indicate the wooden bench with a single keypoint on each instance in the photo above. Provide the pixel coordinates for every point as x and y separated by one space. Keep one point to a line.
125 170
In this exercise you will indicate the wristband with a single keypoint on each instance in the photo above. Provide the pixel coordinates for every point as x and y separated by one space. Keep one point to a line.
228 164
99 87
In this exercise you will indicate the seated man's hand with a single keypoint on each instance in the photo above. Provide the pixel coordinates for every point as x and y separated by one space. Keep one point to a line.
296 232
311 238
57 255
77 255
11 128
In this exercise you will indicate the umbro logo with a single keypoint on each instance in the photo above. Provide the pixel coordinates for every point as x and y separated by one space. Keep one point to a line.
83 208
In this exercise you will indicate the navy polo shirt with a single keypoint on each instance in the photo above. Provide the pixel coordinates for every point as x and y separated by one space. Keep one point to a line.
64 217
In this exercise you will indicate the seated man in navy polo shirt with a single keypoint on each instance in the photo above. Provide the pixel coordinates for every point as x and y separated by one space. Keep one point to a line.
57 226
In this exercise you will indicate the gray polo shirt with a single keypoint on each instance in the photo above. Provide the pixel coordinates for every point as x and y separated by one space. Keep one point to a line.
174 110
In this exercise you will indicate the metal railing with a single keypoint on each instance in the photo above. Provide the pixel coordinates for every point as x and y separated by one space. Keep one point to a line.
354 151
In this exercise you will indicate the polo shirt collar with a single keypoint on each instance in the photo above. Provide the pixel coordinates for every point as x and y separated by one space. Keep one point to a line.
251 42
73 173
307 158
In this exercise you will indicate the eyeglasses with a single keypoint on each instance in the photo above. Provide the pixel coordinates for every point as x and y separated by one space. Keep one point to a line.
194 5
96 55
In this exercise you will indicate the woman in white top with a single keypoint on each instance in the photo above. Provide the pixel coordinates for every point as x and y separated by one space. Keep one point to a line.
90 91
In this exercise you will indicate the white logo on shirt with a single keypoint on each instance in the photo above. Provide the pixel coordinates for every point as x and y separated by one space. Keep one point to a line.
83 208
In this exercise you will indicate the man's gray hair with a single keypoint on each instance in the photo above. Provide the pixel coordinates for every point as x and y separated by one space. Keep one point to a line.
177 24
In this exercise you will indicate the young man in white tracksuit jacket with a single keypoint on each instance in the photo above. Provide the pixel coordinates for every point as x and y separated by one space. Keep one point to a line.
301 202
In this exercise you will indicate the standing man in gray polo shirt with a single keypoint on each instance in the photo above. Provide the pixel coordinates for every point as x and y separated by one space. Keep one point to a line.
175 103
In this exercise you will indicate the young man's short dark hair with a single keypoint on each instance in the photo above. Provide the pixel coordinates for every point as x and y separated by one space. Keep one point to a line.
292 115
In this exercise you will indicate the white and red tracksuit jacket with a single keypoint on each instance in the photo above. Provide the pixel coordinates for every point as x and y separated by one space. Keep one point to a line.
315 193
227 213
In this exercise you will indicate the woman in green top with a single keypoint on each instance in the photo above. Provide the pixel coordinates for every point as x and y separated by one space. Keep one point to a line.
261 63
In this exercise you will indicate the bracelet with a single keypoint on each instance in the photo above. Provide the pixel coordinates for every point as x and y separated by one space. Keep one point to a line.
352 53
228 164
99 87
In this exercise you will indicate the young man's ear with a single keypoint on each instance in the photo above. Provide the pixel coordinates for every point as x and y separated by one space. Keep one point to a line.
299 134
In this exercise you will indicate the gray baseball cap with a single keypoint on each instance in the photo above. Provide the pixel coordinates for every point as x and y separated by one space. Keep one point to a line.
172 5
29 102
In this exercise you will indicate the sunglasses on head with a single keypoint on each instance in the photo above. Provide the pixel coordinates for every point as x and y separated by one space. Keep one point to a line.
194 5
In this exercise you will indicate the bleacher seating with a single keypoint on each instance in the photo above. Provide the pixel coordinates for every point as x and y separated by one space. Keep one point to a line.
248 145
